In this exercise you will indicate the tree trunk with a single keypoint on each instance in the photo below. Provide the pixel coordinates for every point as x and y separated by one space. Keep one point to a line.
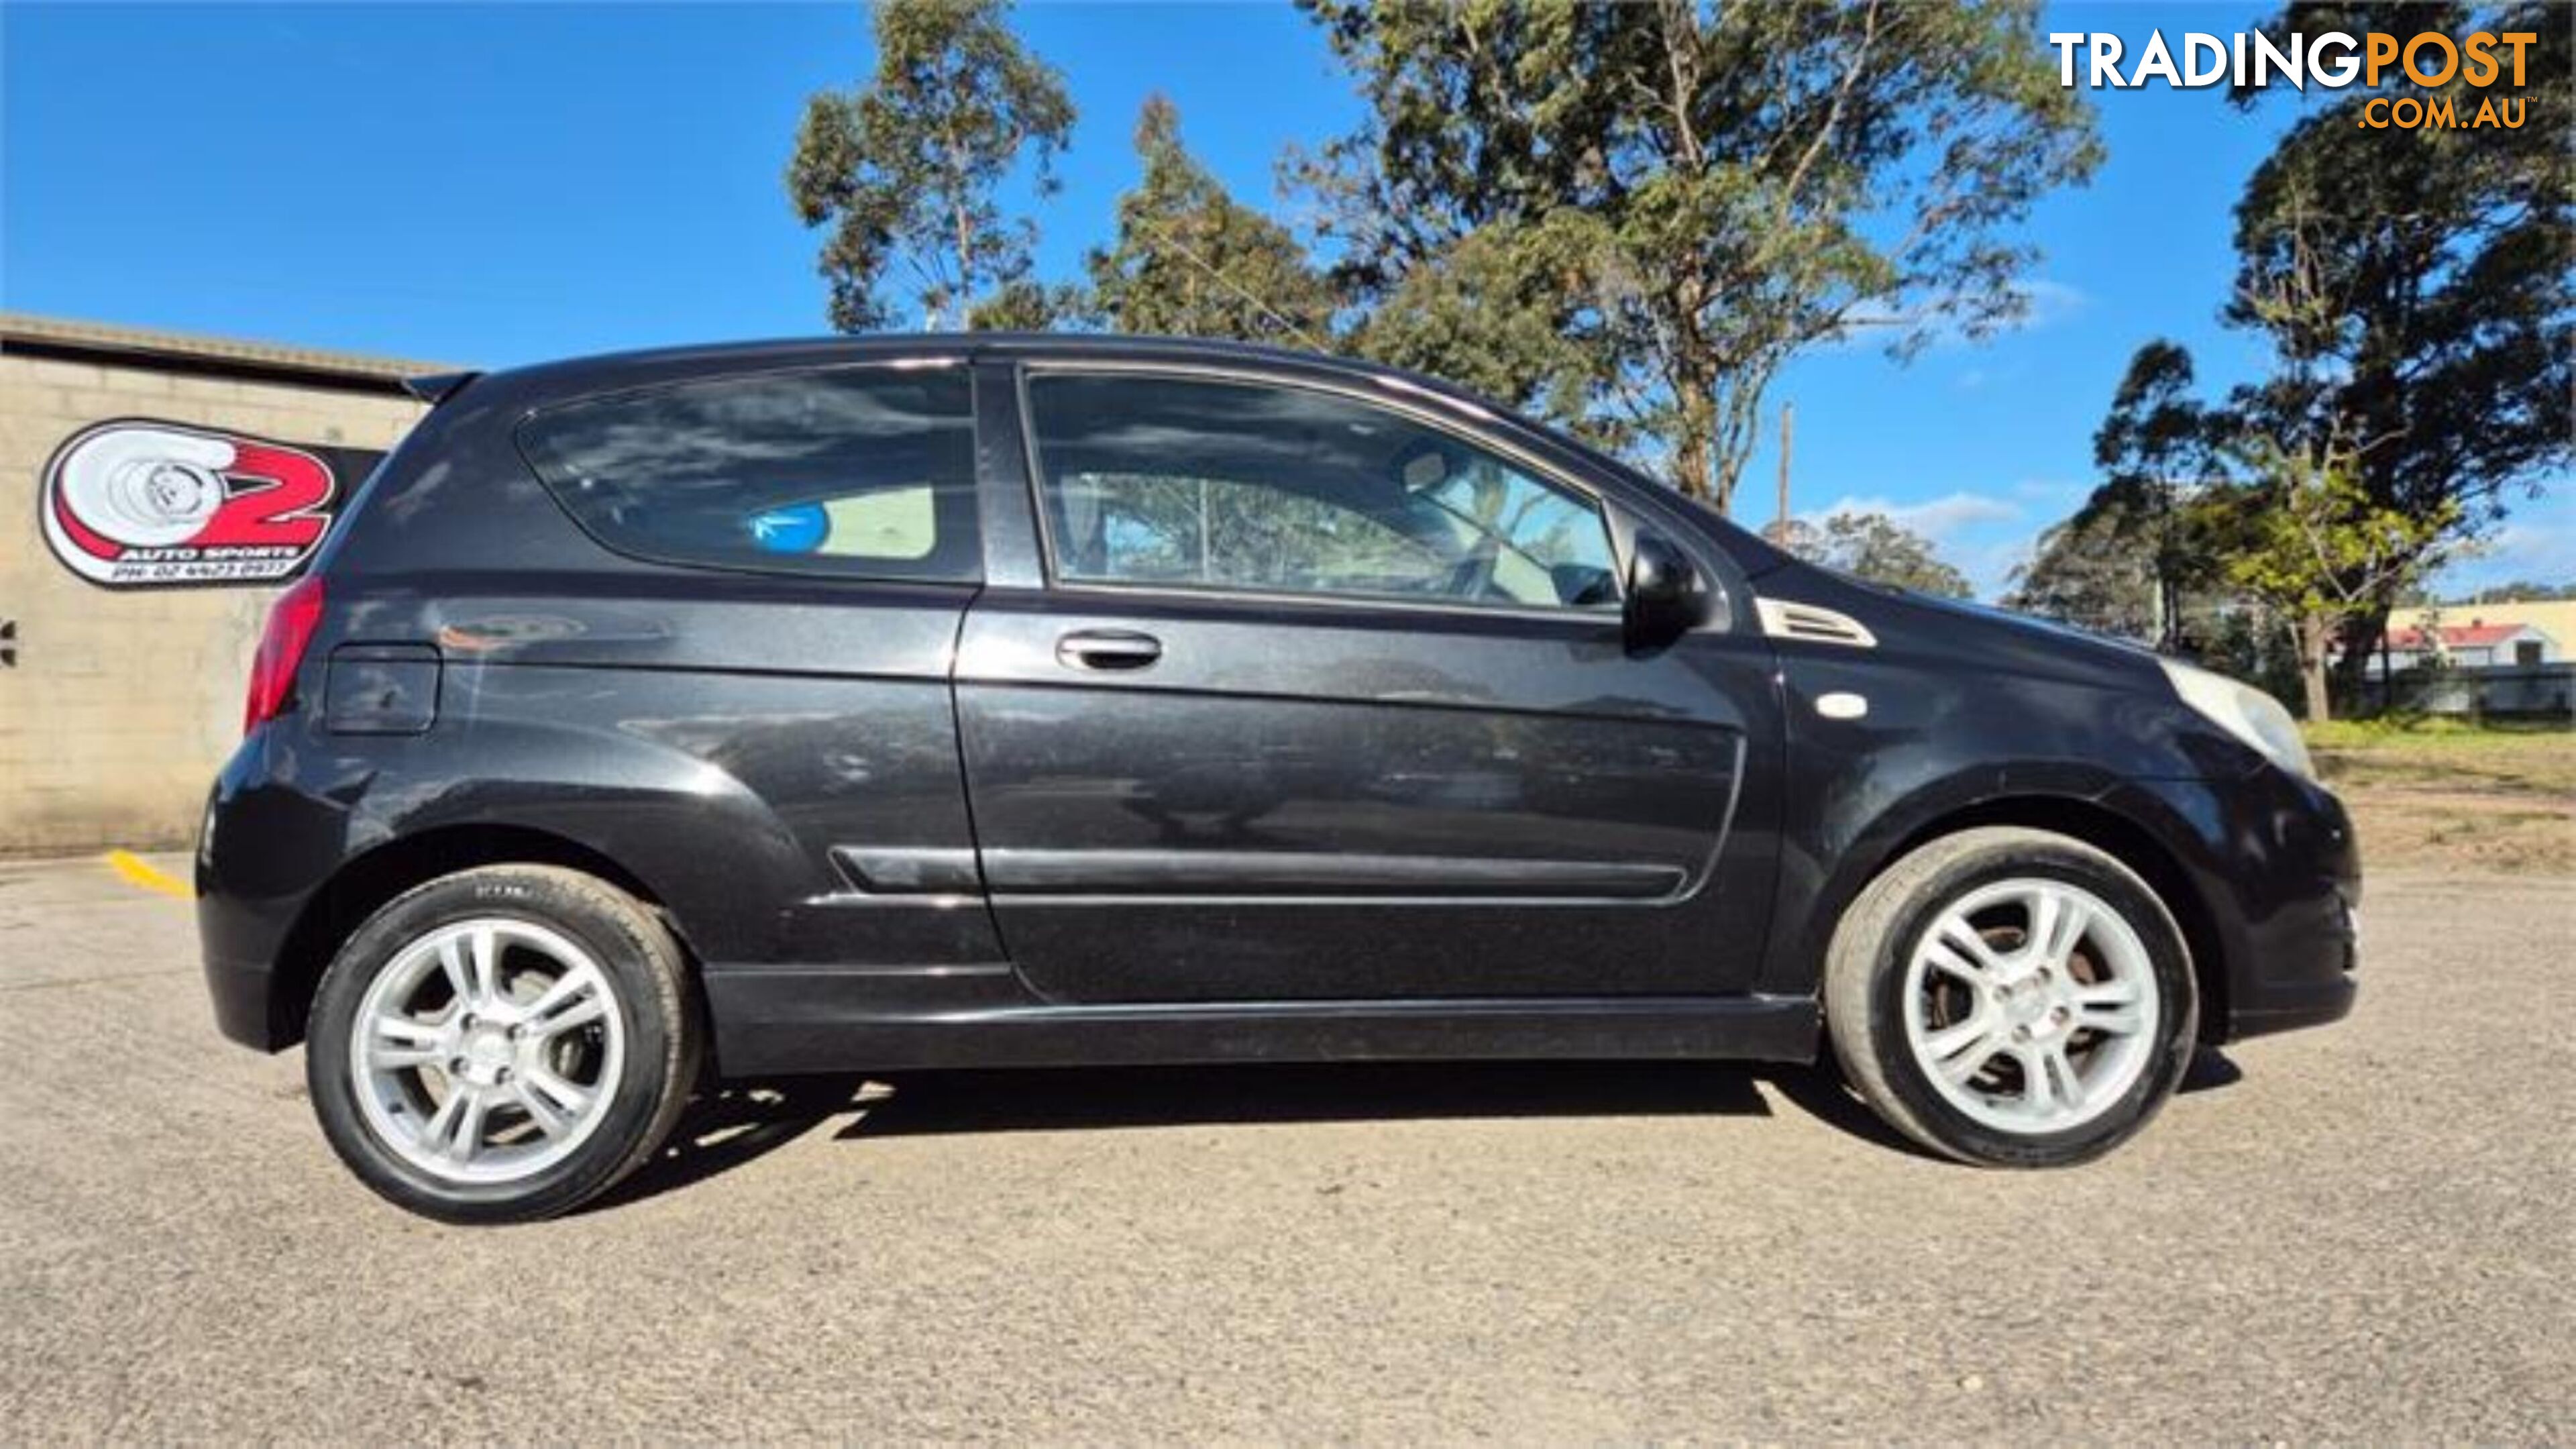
2312 633
2361 635
1695 453
965 265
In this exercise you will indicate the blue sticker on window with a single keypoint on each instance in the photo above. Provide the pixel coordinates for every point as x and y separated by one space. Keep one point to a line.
797 528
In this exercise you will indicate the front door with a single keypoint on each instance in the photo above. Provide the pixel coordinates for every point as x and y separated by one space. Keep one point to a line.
1327 698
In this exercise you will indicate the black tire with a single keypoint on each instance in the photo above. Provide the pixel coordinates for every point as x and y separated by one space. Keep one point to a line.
646 971
1865 985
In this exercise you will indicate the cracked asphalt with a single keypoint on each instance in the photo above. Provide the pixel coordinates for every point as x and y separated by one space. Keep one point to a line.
2361 1233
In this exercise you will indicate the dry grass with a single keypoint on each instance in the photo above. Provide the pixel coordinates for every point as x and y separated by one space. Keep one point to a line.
2441 796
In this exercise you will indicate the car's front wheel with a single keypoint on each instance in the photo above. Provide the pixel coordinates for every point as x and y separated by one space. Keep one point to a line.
2011 997
501 1044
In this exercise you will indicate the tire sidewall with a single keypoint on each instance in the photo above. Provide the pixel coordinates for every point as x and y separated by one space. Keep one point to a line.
2177 1017
538 898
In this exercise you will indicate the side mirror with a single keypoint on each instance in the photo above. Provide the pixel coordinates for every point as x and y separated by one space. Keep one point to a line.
1667 598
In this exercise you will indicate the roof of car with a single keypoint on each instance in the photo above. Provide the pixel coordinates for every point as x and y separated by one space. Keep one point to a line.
543 382
871 343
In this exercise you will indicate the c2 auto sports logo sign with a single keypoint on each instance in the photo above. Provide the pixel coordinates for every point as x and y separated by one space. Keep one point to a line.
137 503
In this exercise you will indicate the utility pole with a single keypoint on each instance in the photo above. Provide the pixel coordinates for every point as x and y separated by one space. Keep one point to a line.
2168 621
1788 426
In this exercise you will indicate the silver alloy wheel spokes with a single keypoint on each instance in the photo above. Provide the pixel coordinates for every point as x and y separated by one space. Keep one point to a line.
487 1050
2031 1005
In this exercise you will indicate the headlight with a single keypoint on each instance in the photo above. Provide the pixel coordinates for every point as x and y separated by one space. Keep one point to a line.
2245 712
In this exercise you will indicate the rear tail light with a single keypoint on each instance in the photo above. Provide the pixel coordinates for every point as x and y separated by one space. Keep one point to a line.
291 622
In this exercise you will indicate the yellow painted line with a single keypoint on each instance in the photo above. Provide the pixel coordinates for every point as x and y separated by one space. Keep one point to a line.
139 872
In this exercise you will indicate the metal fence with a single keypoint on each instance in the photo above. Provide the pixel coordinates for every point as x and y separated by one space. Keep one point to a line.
2525 691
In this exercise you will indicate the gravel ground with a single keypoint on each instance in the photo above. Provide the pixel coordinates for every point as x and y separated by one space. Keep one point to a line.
2360 1233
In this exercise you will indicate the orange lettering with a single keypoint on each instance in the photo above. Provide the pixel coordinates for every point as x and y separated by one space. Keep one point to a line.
2450 59
2478 59
2519 39
2380 50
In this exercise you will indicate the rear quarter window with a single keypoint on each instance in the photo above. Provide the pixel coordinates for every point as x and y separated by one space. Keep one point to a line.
857 472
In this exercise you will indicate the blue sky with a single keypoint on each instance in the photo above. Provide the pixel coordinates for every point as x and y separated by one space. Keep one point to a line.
491 185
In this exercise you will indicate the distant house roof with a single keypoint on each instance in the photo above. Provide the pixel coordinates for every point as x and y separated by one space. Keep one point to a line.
2554 618
99 342
2448 637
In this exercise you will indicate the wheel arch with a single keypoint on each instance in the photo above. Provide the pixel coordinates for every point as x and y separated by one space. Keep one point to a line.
364 884
2133 842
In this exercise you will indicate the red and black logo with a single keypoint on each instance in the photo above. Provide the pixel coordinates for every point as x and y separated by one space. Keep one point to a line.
137 503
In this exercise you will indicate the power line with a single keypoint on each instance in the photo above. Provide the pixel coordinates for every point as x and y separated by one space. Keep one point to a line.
1222 280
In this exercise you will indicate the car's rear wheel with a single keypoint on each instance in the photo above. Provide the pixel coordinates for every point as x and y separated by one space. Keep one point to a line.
2011 997
502 1044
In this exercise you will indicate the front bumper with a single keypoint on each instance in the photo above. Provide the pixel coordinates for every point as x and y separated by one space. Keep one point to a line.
2306 978
2273 861
241 996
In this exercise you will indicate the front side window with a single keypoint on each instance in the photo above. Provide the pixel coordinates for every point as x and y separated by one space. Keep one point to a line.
865 472
1188 483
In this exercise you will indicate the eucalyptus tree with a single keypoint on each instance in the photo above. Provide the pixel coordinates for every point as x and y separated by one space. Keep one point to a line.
1876 547
1631 216
2415 287
1189 260
908 169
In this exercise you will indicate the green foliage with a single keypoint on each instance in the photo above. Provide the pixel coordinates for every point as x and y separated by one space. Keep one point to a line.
1027 305
905 169
2155 449
2156 436
2415 286
2357 733
2096 570
2137 560
1191 261
2414 289
2304 536
2243 639
1876 547
1630 216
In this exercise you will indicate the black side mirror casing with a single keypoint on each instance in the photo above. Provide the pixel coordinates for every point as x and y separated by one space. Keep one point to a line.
1666 595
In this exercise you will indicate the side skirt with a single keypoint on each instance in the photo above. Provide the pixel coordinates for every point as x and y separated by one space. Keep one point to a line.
780 1022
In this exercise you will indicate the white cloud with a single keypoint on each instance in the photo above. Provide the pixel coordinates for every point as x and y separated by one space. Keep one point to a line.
1982 534
1935 518
2525 550
2049 490
2051 302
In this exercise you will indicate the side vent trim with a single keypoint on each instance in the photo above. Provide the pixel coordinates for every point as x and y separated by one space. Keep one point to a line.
1782 619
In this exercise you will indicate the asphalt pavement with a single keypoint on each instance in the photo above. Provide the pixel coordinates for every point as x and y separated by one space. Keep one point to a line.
2361 1233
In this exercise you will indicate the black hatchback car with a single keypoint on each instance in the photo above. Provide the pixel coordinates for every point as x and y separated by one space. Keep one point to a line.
942 701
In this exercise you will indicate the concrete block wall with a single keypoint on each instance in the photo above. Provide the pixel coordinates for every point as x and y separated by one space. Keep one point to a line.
123 703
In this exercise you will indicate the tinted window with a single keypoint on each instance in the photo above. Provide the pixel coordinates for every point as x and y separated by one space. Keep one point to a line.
867 472
1221 485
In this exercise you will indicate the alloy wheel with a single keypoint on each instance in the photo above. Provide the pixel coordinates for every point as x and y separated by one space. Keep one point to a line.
487 1050
2031 1005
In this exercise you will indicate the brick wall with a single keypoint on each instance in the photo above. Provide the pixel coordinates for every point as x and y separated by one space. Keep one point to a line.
123 703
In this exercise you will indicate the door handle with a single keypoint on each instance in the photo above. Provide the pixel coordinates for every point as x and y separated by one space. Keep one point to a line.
1107 649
